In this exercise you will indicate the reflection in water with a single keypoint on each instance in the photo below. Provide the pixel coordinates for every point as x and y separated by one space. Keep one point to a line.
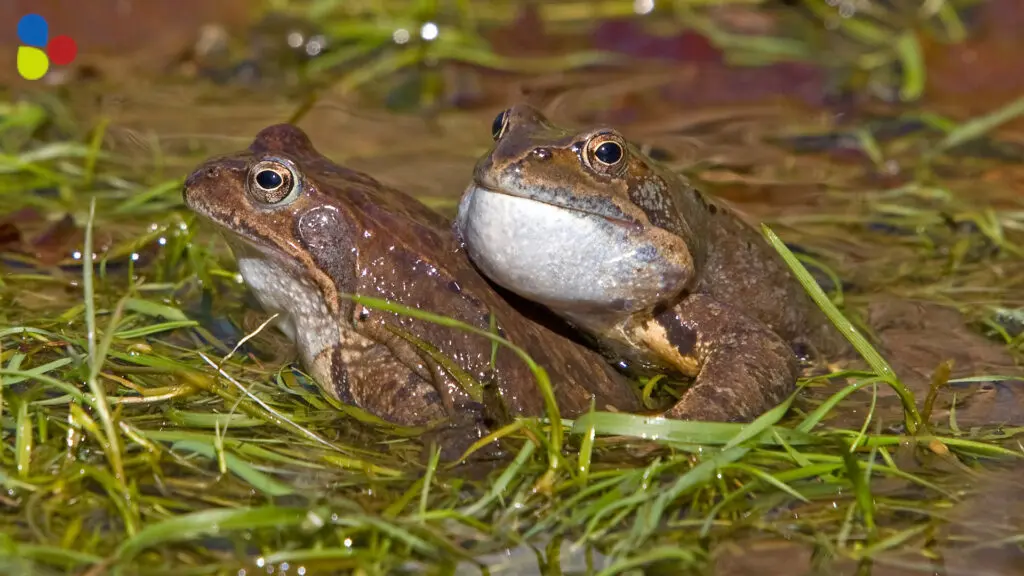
983 535
528 560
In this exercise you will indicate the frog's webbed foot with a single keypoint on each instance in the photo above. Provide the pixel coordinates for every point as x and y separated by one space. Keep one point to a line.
743 368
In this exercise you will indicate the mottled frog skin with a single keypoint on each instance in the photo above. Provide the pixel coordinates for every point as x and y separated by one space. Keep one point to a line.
630 253
306 232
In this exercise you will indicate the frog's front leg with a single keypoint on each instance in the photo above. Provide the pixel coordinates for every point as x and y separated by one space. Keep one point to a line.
393 384
742 367
386 376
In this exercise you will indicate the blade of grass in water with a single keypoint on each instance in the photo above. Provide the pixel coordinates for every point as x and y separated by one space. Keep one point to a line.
242 469
502 481
846 328
649 517
539 373
760 426
38 370
909 50
979 126
97 355
156 310
658 428
214 521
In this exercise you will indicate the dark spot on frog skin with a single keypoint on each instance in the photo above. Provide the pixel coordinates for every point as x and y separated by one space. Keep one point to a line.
432 397
339 377
454 287
327 238
650 197
699 196
647 253
680 335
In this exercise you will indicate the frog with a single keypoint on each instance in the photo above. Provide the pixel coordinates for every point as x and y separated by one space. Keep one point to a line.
308 234
659 276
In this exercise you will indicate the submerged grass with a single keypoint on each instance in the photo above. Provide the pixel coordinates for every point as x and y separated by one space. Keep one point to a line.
145 432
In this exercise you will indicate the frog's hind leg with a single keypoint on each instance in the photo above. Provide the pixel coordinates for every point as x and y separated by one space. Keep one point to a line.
742 367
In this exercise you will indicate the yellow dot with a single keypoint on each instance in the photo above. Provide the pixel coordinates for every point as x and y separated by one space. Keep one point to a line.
32 63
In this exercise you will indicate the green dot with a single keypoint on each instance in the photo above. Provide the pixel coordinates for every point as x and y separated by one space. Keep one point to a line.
32 63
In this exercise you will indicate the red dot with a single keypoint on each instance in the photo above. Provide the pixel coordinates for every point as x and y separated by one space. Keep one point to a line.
62 50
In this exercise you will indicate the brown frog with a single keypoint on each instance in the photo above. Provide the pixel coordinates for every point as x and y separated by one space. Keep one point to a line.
630 253
306 232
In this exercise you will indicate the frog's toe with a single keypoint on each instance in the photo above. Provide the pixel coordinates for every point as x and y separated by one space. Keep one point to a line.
731 389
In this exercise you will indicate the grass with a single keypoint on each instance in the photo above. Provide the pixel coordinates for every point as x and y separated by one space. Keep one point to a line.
878 37
150 426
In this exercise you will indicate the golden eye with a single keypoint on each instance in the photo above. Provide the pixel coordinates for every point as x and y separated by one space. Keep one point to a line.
499 125
605 152
274 182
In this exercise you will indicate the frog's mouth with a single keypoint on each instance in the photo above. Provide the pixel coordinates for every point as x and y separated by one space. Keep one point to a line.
245 247
612 215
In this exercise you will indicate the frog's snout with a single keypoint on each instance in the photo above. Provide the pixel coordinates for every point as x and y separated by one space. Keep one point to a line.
215 179
199 176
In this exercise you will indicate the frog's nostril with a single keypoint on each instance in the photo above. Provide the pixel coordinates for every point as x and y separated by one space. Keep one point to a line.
202 174
542 153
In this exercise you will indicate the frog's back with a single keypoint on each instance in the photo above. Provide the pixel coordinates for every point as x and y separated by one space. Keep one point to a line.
745 272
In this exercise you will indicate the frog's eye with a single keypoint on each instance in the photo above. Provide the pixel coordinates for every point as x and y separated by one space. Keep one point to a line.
605 152
608 153
273 182
499 125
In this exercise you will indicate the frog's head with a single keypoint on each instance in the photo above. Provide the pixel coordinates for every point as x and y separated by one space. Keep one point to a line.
300 229
256 196
575 219
293 233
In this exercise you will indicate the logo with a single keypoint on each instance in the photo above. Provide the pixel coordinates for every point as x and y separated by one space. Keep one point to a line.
39 49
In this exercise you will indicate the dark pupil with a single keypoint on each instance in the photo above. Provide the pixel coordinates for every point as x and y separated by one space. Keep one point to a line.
609 152
499 121
269 180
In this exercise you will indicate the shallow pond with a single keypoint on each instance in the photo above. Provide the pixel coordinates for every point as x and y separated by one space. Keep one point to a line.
151 424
